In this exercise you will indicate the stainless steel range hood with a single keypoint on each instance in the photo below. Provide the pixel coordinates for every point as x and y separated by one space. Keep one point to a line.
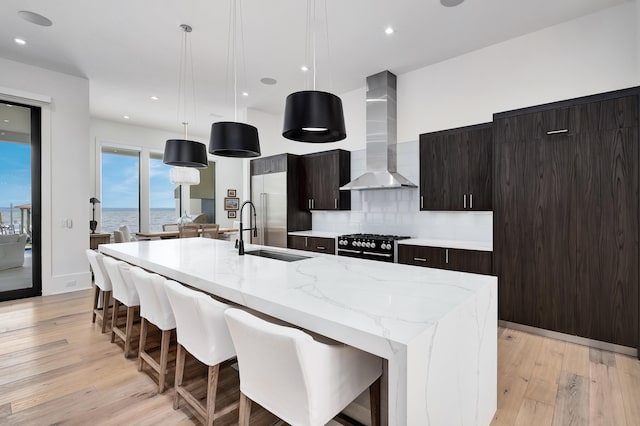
381 137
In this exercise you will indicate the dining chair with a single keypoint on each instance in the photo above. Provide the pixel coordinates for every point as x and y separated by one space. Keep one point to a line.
201 331
124 293
299 379
118 237
211 230
103 287
189 231
154 309
170 227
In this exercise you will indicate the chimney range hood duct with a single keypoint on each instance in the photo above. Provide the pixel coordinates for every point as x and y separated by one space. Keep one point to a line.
381 172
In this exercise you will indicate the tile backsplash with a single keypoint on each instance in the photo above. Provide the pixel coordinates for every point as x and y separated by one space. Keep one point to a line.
397 211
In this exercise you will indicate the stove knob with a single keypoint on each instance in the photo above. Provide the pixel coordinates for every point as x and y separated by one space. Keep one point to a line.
385 246
373 244
367 244
357 243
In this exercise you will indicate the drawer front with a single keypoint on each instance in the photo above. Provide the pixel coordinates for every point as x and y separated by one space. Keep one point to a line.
297 242
477 262
431 257
322 245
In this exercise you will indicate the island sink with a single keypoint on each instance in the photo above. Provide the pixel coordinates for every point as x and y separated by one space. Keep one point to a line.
287 257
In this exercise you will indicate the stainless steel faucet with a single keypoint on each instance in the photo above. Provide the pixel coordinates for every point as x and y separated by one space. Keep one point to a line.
254 229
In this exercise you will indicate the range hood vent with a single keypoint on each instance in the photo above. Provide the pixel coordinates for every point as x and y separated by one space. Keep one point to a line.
381 137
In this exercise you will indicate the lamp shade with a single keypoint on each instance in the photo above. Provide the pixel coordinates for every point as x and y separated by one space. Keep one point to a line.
185 153
94 200
184 176
232 139
313 116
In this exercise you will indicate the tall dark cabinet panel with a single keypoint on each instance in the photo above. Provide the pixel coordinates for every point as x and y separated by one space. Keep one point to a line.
323 175
455 169
566 217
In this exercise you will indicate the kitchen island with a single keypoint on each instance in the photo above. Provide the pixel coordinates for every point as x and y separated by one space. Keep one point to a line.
435 329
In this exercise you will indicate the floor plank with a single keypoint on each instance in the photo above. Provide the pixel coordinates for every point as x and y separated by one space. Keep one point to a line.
572 403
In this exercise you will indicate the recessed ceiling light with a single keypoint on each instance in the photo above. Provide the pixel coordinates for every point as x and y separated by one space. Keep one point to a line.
35 18
389 31
126 117
2 133
19 41
154 98
245 94
450 3
268 81
5 120
304 68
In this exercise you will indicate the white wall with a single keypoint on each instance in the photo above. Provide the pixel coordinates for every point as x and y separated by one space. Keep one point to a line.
588 55
228 171
65 189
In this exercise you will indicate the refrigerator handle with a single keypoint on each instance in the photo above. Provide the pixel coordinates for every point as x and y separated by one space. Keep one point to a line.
264 216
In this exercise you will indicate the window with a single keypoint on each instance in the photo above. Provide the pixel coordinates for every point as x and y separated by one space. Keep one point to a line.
120 202
162 194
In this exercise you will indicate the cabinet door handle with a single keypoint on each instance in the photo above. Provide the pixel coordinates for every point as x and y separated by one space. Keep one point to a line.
306 242
313 203
336 202
464 202
556 132
419 259
422 202
446 256
470 201
321 248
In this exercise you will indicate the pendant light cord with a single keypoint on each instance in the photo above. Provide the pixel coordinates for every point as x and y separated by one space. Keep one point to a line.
186 56
313 38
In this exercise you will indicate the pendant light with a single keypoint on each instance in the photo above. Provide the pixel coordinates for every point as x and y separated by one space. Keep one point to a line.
232 138
311 115
185 152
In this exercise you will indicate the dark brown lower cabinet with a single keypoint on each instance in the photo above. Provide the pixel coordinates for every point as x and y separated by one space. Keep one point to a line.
478 262
566 215
316 244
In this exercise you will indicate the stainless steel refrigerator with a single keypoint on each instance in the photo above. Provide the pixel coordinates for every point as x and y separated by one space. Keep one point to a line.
269 194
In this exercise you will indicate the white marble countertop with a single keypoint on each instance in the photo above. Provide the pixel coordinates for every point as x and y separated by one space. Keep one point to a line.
394 311
453 244
322 234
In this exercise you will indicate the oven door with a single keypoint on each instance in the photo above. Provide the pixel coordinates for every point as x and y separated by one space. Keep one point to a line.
363 254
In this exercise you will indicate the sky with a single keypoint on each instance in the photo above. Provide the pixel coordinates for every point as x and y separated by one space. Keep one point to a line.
120 182
15 174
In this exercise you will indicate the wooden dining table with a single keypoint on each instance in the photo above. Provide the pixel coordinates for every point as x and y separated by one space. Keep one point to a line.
175 234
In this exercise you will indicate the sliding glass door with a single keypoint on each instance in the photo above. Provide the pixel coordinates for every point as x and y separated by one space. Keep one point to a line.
20 234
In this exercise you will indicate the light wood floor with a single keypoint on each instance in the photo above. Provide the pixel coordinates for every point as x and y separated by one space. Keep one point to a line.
57 368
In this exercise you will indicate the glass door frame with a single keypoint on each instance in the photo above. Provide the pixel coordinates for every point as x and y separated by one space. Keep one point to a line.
36 207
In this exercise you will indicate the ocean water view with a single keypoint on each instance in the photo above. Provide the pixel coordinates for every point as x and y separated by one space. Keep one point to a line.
113 219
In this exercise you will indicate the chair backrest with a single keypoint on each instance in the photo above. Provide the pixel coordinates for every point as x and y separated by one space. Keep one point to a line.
189 231
277 364
200 324
125 232
170 227
154 303
118 237
96 260
123 289
201 218
211 231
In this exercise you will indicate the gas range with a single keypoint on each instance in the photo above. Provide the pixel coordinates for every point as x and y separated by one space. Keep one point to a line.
369 246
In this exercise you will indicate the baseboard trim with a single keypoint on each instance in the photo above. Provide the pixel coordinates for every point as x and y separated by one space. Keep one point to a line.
612 347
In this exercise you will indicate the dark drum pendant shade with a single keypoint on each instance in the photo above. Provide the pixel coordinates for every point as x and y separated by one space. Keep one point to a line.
185 153
233 139
313 116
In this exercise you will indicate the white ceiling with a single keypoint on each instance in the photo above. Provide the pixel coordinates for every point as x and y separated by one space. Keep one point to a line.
130 49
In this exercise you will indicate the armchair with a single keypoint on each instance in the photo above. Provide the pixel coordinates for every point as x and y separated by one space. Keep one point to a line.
12 250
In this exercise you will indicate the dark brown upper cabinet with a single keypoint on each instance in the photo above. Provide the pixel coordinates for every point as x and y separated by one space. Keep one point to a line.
455 169
323 173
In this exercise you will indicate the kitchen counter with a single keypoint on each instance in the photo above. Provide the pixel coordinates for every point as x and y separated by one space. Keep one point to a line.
436 329
452 244
321 234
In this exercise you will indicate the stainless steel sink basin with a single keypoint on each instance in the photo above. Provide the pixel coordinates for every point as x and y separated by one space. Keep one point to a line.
276 255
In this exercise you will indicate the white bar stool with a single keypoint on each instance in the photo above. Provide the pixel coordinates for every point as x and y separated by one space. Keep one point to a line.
124 293
203 333
154 309
299 379
103 287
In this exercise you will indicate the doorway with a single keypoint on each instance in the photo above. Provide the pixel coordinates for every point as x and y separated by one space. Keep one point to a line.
20 201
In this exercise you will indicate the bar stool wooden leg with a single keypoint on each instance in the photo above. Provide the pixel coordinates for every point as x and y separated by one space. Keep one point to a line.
180 357
128 329
374 398
164 359
114 319
96 297
245 410
143 341
106 301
